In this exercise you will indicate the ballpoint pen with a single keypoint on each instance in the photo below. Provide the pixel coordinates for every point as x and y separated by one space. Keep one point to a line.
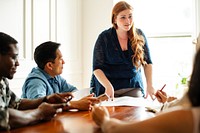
163 87
160 90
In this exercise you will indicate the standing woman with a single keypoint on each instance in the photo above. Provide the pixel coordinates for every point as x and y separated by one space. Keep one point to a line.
180 119
118 55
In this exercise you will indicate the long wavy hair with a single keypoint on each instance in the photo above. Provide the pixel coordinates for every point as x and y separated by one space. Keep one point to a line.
137 40
194 86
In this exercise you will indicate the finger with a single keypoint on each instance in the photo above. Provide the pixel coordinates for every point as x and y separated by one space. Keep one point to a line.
158 93
93 107
159 99
60 98
94 101
146 95
162 92
90 107
67 94
112 98
151 95
69 98
104 109
64 97
59 110
93 95
57 106
90 95
154 97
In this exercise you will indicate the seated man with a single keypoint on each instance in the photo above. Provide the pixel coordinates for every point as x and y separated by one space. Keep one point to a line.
15 112
45 79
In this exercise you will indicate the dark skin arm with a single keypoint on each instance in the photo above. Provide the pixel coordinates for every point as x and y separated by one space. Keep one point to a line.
44 112
54 98
34 111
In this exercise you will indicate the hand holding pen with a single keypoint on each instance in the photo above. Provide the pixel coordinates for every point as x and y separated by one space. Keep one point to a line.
161 95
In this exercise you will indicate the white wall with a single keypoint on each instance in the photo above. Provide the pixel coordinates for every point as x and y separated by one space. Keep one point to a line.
96 17
197 16
32 22
69 35
75 24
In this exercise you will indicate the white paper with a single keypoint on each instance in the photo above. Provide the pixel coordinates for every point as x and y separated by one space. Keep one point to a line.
130 101
81 93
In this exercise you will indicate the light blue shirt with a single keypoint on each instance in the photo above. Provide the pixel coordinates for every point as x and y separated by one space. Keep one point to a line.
40 84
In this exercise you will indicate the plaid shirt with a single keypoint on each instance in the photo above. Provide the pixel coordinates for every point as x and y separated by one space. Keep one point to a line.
7 100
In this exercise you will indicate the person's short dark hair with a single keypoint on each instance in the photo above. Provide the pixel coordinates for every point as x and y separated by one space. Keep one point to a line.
45 52
5 41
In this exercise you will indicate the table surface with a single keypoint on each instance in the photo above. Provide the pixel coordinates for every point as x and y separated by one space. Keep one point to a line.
81 121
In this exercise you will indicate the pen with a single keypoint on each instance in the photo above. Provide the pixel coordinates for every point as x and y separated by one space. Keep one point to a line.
160 90
163 87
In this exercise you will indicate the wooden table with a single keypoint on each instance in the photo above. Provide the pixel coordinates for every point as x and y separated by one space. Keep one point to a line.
81 122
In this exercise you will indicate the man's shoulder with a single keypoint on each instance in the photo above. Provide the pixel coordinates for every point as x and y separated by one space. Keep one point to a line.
37 73
60 78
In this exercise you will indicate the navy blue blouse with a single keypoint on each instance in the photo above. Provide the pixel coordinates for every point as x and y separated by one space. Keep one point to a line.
116 64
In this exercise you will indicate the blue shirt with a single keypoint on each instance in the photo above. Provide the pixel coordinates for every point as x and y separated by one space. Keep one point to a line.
39 84
116 64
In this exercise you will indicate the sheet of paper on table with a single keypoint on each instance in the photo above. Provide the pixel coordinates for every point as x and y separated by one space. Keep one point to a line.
121 101
81 93
131 101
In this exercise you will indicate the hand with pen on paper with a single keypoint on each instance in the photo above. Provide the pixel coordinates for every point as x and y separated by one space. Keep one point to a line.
162 97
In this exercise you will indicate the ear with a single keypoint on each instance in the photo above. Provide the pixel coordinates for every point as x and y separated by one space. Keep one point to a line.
49 65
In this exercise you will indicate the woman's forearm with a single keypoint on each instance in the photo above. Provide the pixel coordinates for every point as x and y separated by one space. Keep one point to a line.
101 77
148 74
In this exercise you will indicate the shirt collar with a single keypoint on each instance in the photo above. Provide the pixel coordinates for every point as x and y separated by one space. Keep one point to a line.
48 77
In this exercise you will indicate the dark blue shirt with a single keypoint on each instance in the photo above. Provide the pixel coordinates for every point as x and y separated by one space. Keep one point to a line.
116 64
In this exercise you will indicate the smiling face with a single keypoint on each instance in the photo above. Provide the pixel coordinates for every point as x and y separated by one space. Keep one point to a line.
9 62
124 20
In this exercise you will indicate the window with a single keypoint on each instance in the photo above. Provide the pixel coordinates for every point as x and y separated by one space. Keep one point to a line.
168 26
